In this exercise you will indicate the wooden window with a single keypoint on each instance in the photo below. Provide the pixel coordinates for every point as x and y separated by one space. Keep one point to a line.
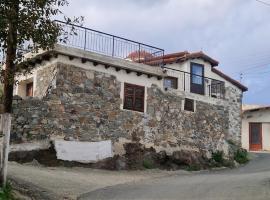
170 82
189 105
29 89
133 97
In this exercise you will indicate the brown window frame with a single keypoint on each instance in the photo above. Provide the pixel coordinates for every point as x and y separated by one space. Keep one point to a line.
29 89
189 105
128 86
174 82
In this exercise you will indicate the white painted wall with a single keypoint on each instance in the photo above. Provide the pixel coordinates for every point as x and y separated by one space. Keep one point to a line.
185 66
84 152
260 116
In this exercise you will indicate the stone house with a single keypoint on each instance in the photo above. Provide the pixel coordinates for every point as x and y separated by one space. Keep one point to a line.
256 128
93 104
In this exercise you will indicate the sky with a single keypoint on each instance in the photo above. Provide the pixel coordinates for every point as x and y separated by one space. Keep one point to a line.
234 32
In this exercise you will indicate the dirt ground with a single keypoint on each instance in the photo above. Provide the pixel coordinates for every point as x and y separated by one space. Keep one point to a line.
69 183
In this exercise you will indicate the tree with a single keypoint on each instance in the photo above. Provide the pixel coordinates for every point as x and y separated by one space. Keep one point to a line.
26 22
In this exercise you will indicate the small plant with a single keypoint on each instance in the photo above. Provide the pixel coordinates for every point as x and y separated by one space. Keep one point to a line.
218 156
148 164
241 156
194 167
231 142
6 193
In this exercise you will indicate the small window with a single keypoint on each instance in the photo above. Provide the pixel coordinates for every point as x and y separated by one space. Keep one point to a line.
29 89
189 105
133 97
170 82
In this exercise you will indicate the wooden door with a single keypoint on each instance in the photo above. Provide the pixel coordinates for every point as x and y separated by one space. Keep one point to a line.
197 78
255 136
29 89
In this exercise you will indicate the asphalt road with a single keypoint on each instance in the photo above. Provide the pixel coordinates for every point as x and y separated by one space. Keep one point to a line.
250 182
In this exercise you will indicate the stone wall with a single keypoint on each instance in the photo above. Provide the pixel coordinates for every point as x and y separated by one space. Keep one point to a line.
84 105
45 77
234 105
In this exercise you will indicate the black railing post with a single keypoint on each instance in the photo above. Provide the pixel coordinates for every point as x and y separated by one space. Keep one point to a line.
139 52
184 81
113 47
85 39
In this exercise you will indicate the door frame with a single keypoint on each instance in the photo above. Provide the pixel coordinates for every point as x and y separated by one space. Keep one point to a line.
261 139
191 76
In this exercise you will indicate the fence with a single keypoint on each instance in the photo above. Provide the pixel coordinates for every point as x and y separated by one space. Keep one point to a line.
110 45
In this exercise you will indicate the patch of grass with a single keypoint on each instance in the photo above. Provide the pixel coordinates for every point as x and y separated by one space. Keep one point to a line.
218 156
148 164
6 193
241 156
194 167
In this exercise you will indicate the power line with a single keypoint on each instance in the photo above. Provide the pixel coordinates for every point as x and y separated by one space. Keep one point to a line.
252 69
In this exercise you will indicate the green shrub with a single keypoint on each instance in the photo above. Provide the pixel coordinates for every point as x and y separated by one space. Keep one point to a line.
194 167
6 193
148 164
241 156
231 142
218 156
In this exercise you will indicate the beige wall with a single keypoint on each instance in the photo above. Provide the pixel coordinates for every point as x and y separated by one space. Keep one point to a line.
185 66
261 116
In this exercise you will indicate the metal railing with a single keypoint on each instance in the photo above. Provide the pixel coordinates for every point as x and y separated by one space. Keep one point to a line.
109 45
197 84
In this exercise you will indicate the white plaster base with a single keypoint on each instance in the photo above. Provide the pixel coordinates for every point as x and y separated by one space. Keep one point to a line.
84 152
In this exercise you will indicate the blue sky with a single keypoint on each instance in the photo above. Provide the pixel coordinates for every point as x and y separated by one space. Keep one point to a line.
235 32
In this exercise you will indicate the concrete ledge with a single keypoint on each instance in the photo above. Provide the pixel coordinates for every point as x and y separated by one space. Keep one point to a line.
31 146
125 64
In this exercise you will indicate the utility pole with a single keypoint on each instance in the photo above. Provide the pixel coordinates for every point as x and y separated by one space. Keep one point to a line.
5 128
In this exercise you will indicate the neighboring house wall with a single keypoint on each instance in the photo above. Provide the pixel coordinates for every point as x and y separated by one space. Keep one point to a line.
257 116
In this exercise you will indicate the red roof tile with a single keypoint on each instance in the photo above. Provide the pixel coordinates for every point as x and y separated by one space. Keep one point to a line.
140 55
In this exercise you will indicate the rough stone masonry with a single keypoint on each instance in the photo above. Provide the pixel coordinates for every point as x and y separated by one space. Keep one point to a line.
84 105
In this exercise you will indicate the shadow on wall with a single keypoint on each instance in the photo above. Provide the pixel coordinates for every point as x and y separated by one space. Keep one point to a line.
1 98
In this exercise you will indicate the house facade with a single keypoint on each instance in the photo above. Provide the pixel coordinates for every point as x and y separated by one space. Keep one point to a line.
256 128
105 104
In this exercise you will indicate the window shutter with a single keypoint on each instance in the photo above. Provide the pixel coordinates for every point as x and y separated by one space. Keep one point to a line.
139 99
133 97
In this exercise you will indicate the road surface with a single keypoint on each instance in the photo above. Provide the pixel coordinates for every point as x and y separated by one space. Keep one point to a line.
250 182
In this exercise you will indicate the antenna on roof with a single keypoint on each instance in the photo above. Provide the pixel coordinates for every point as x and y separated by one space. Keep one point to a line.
241 77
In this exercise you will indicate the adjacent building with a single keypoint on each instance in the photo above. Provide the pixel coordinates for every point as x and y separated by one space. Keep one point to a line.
256 128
